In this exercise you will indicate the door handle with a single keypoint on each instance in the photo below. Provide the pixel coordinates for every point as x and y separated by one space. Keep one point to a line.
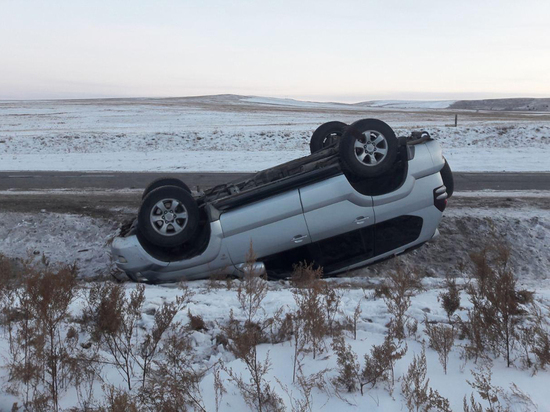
299 238
361 219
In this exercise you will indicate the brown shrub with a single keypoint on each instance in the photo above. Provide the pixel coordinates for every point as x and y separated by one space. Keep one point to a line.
196 322
450 299
416 390
347 366
379 365
401 286
310 307
497 311
441 339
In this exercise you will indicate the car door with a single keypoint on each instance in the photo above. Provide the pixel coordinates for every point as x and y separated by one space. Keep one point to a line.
339 221
271 226
333 206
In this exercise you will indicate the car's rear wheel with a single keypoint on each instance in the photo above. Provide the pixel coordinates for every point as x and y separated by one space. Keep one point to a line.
164 181
326 135
448 180
168 216
368 148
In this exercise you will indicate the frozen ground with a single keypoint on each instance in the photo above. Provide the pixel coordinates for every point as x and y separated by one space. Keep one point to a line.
470 221
82 234
235 133
90 219
214 304
245 134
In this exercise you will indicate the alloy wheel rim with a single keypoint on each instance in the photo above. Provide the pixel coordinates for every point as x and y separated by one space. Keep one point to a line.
168 217
371 148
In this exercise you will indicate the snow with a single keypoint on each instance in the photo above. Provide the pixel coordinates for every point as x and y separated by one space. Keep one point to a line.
461 160
288 102
411 104
65 238
228 133
61 238
239 134
213 304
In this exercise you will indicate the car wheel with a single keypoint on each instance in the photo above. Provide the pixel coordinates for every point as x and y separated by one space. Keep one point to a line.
168 216
448 180
326 135
164 181
368 148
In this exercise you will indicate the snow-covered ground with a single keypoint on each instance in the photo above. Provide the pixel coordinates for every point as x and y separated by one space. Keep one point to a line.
228 133
411 104
232 133
214 303
469 221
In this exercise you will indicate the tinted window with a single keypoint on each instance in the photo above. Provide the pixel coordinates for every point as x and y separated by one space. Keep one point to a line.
281 264
346 249
332 253
397 232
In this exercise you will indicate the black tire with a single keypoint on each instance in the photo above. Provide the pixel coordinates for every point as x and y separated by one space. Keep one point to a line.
374 163
164 181
448 180
326 135
174 234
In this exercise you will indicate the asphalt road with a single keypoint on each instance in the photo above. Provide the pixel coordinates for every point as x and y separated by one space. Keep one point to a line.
117 180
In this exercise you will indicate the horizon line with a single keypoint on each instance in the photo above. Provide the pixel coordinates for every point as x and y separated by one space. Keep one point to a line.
260 96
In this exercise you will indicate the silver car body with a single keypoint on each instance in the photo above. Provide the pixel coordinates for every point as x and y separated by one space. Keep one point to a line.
297 217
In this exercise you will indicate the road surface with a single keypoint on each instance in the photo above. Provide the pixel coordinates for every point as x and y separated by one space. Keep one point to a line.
116 181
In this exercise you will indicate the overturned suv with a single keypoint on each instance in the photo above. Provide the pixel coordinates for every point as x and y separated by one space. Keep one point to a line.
361 196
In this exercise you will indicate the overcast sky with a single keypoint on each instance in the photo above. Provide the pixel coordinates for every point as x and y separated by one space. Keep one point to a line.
319 50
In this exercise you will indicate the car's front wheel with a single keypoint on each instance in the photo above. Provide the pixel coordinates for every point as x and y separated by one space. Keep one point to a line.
326 135
368 148
168 216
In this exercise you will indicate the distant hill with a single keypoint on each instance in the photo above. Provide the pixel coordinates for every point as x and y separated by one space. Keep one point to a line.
220 100
518 104
515 104
408 104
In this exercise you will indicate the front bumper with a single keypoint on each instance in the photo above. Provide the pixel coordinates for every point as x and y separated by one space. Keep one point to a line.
131 258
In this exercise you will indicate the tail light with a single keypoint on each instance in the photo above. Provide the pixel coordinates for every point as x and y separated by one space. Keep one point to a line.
440 198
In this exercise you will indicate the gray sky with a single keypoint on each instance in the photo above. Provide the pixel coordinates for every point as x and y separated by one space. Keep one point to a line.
320 50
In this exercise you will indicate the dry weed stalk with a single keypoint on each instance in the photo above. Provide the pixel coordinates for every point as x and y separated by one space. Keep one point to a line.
41 356
380 364
114 323
242 341
173 385
356 316
348 367
400 286
150 341
419 396
450 299
252 289
305 385
497 304
441 339
495 398
310 307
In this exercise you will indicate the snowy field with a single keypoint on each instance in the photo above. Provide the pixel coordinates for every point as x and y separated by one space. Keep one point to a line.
214 300
242 134
232 133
